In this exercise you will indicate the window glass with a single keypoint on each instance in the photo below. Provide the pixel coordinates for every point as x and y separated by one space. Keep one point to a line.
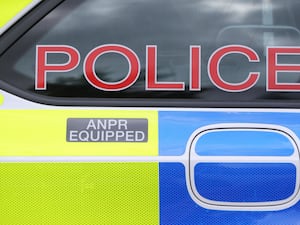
173 26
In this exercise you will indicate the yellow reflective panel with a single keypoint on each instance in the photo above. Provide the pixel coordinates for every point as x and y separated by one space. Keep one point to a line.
10 8
79 193
44 133
1 99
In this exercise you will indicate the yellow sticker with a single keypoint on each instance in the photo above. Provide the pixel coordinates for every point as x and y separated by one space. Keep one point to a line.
9 9
47 133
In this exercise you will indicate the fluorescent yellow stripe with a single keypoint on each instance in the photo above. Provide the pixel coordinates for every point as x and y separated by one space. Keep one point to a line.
79 193
1 99
10 8
43 133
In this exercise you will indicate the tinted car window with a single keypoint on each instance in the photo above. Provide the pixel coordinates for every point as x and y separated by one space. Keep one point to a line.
171 25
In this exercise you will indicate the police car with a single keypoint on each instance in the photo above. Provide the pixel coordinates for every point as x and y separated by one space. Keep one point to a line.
150 112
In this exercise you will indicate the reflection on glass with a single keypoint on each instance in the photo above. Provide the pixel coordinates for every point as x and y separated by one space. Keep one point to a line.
172 25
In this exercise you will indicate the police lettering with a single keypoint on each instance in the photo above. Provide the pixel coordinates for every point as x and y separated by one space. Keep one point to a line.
151 81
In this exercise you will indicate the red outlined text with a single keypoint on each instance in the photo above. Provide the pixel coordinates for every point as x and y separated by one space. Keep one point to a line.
152 82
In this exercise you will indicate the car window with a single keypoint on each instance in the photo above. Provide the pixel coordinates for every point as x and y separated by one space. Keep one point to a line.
173 30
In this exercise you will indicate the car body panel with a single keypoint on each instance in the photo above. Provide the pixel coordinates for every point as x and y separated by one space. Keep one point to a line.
194 165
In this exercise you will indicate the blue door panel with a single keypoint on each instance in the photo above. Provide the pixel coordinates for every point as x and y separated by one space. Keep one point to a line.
264 168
